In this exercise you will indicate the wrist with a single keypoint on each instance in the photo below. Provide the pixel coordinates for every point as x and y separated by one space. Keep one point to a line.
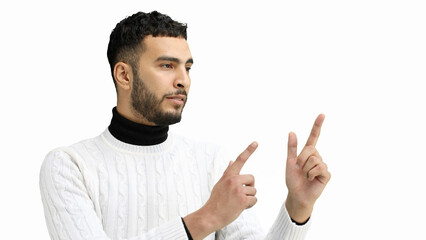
200 224
298 211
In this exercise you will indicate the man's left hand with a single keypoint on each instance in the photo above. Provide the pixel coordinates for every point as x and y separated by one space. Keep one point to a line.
306 175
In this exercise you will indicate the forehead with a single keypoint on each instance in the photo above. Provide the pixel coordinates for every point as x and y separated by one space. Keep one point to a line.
155 47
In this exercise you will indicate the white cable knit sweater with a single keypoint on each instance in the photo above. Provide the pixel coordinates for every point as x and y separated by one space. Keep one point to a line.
102 188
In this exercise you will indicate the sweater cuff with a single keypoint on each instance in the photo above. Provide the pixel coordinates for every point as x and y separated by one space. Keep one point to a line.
285 228
170 230
300 224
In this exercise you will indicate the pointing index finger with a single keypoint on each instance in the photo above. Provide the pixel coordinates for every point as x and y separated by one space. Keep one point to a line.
236 167
316 130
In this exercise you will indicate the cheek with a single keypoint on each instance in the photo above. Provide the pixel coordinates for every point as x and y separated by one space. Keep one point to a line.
159 83
188 85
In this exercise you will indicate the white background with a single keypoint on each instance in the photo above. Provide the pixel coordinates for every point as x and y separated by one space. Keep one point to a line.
261 70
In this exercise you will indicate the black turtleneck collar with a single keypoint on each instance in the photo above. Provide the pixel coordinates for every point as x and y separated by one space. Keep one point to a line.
135 133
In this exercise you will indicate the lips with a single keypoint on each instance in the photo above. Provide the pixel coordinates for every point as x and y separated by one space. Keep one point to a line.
178 99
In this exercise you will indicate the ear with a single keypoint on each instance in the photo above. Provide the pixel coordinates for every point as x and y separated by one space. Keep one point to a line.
123 75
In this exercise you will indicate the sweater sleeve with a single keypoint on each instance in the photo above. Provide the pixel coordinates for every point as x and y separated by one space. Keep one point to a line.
247 226
69 210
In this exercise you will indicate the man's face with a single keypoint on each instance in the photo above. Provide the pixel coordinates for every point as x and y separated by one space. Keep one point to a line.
161 80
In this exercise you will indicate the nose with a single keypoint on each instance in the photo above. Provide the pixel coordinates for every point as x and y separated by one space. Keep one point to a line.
182 80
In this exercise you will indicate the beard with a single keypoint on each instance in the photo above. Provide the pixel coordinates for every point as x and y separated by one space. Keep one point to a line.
146 104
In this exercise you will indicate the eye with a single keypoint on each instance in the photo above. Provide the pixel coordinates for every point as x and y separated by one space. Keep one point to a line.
188 68
166 65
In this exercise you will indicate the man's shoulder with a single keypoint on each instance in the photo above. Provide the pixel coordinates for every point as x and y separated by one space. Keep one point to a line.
68 152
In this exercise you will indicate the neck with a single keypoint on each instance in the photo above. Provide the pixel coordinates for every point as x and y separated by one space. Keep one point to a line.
134 133
126 111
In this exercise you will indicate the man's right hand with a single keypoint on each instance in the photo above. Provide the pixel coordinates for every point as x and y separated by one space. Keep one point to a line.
231 195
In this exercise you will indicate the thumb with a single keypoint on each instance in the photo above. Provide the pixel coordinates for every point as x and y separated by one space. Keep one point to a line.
229 165
292 147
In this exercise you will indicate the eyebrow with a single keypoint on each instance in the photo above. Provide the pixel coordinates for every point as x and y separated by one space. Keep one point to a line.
173 59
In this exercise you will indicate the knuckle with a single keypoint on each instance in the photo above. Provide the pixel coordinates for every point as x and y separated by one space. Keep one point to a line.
316 160
321 167
231 181
251 178
314 134
311 149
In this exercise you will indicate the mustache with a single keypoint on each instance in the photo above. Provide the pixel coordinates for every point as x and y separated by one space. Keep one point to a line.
178 92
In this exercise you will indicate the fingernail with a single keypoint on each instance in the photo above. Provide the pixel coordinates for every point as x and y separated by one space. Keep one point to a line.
254 144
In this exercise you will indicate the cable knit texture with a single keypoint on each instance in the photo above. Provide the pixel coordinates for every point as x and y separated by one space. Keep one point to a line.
102 188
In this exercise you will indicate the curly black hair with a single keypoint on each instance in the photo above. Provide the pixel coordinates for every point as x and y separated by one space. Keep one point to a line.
125 42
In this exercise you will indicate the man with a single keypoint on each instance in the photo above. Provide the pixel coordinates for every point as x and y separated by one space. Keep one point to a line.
137 181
